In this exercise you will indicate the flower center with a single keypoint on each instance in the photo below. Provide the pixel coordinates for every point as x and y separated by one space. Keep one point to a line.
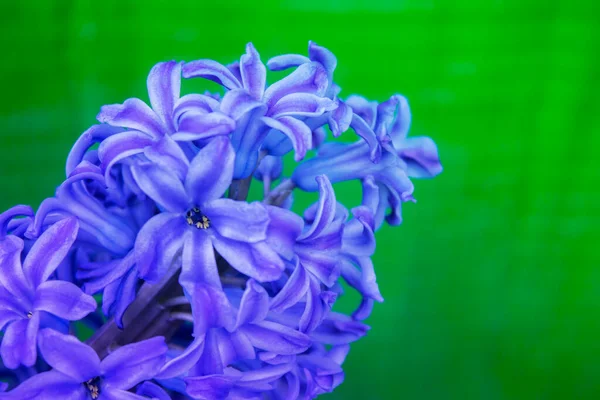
29 314
93 386
194 217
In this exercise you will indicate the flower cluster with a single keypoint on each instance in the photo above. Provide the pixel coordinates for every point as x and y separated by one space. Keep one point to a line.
188 289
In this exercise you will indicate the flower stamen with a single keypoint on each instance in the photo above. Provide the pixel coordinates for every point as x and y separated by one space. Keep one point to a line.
92 386
194 217
29 314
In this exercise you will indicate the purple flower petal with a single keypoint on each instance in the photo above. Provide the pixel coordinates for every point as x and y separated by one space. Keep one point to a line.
421 157
364 309
366 110
307 78
7 316
200 278
284 228
11 275
279 63
211 70
211 361
254 305
297 131
275 359
63 299
340 119
210 387
256 260
402 122
95 134
264 374
253 72
119 146
162 186
98 277
7 216
9 301
364 131
48 385
167 154
293 291
397 180
234 346
211 309
288 387
66 354
164 84
389 199
19 342
157 243
318 305
386 113
339 329
133 114
318 136
368 280
325 211
194 102
118 295
198 261
49 250
195 125
239 102
277 338
339 353
370 193
210 171
153 391
129 365
181 364
319 364
358 238
234 68
110 393
301 104
247 139
238 220
323 265
324 57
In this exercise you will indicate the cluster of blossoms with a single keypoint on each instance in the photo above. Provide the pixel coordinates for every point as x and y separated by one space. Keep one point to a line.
199 293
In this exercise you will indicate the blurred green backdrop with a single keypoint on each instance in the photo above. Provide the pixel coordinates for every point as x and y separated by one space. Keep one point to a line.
492 284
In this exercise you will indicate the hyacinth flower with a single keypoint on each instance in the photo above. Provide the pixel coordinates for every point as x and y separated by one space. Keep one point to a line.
78 372
204 294
106 227
388 122
257 109
29 300
317 264
150 131
100 225
229 366
196 218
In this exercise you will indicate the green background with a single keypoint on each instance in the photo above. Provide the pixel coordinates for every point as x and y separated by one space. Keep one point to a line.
492 283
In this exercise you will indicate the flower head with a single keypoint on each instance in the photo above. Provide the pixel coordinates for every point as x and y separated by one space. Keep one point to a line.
29 299
204 294
78 373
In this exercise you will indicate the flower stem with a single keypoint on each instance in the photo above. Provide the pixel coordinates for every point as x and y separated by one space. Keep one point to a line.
239 188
